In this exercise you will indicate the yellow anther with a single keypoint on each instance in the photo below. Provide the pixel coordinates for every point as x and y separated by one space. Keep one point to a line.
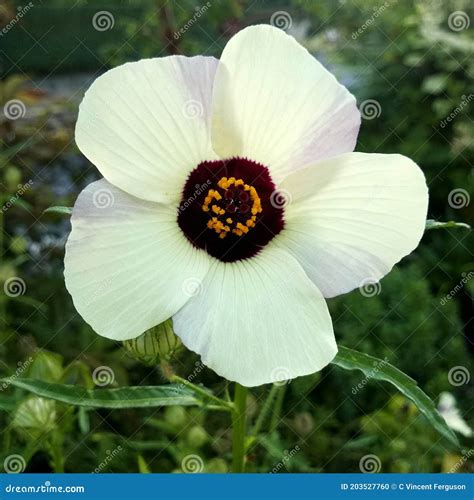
227 224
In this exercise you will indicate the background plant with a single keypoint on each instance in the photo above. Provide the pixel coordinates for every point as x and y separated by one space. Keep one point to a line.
414 69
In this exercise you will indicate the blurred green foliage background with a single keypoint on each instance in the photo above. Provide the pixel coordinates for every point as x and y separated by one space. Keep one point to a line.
414 62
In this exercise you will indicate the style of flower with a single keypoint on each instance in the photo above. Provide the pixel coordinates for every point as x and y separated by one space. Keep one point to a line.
233 203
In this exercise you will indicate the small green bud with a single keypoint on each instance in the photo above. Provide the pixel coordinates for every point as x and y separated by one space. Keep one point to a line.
196 436
35 414
12 177
216 466
18 245
176 415
156 344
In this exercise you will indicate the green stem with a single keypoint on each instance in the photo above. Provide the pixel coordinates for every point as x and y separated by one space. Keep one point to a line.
198 390
264 411
238 428
275 420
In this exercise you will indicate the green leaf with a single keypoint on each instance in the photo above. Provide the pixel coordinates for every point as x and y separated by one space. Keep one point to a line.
433 224
378 369
123 397
59 210
8 403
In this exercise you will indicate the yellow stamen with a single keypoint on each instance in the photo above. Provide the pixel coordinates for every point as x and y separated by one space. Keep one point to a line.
220 227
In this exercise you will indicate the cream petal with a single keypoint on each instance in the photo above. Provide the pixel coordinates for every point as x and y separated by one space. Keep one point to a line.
128 267
351 218
258 321
145 125
276 104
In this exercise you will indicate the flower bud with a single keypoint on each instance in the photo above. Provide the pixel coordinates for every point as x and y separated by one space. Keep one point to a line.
196 436
156 344
35 414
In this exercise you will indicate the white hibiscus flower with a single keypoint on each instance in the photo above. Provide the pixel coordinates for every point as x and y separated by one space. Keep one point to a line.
233 203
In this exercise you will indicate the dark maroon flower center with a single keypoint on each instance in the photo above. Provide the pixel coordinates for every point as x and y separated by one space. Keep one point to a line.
230 208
